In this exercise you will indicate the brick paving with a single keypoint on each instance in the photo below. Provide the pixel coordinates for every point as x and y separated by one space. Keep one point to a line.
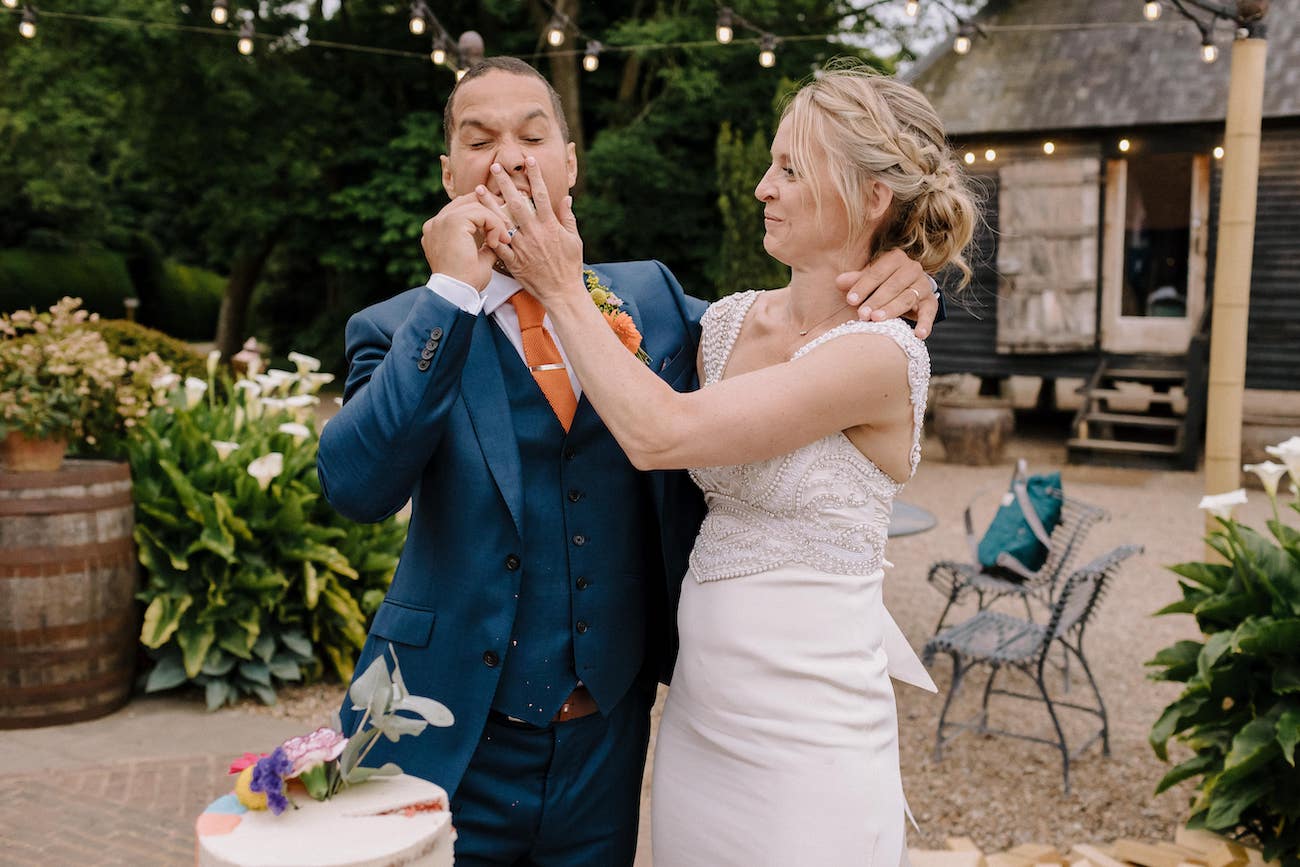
138 812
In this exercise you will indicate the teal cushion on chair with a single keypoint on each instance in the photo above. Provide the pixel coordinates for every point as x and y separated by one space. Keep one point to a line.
1010 532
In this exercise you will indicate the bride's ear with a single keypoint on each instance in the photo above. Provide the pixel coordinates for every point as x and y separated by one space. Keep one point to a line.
879 198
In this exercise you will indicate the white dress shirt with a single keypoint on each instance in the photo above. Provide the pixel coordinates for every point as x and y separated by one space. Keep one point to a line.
492 301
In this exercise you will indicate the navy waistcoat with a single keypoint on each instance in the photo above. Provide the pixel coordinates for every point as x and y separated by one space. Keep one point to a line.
581 610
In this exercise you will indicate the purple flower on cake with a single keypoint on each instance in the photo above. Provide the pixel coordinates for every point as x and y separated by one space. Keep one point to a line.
268 778
306 751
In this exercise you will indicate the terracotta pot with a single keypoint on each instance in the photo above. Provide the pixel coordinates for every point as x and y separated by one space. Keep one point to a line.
973 429
19 454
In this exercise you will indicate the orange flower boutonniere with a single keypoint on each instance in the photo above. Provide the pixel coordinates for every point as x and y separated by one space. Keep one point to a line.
620 321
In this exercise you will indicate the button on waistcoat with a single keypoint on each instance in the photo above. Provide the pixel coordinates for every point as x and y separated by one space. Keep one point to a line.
588 529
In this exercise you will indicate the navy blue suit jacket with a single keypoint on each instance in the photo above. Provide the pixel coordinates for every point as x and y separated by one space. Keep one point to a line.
426 418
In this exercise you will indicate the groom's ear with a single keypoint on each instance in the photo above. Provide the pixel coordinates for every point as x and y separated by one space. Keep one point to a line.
448 183
571 163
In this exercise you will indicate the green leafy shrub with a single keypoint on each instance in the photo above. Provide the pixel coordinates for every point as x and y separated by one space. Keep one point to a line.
39 278
189 302
1240 710
131 340
60 380
252 579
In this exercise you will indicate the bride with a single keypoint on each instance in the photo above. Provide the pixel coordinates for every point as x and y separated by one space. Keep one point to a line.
779 740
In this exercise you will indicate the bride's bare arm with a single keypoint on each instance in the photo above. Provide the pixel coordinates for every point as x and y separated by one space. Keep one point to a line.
856 379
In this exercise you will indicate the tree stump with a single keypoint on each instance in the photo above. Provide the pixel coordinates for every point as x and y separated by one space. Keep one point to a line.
973 429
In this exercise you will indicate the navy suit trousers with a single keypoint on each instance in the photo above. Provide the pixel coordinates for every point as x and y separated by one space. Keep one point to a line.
567 795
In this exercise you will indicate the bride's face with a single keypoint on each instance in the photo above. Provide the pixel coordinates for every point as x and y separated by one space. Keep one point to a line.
796 233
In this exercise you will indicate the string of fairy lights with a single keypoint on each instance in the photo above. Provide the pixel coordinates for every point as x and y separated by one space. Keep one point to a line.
457 55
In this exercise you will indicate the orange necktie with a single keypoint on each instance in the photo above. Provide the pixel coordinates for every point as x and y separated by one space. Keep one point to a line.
543 358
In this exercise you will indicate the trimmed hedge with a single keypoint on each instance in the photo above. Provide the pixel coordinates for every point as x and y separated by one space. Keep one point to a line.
180 300
39 278
131 340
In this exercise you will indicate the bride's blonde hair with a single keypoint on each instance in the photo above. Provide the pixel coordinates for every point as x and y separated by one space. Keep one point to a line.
875 128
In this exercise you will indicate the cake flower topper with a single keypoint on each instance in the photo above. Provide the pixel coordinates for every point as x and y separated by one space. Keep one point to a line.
324 762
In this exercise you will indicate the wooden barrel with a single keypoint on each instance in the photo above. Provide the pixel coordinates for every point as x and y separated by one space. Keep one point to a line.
973 429
68 622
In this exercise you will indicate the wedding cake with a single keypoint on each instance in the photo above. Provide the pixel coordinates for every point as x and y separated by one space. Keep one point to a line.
387 821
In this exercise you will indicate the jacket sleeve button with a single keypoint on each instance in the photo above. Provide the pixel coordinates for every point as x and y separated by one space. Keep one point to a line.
490 658
512 562
581 626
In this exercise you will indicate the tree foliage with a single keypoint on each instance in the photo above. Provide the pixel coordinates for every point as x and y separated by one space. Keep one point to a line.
303 174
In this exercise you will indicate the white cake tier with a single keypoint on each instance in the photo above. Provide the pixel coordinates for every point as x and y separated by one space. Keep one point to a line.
369 825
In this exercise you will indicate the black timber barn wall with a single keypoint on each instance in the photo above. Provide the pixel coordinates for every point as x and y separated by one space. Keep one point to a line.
967 341
1273 350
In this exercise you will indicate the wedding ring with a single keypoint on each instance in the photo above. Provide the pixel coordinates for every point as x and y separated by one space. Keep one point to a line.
918 297
510 233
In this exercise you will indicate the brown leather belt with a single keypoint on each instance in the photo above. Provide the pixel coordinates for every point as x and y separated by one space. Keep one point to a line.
578 705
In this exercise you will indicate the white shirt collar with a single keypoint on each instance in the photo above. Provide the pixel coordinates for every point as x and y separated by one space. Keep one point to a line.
498 291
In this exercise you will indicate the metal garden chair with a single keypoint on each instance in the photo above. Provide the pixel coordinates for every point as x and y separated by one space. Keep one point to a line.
999 641
1010 578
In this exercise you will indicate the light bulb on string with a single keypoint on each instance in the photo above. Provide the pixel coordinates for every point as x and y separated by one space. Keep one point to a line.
420 15
965 38
555 33
1049 147
1209 51
460 73
11 4
1151 10
246 33
767 51
724 31
439 53
28 26
969 158
990 155
591 60
220 11
1124 145
911 8
1218 152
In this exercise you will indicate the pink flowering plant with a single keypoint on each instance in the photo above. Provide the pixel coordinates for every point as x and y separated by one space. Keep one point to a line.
324 762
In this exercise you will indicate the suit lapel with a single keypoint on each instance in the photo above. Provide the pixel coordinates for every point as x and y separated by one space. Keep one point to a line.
484 391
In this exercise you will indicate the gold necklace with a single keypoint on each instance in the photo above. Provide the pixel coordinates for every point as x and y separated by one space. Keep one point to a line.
804 333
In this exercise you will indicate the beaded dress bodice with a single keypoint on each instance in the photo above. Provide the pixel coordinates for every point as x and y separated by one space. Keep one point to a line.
824 505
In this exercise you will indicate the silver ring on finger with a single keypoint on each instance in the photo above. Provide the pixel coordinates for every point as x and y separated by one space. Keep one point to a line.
510 233
918 297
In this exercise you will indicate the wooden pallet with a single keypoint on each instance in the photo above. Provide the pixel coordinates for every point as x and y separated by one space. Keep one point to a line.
1188 849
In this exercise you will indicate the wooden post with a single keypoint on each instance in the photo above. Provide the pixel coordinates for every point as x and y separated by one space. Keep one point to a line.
1235 250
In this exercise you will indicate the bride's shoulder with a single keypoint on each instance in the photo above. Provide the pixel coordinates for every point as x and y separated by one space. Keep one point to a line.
895 330
730 306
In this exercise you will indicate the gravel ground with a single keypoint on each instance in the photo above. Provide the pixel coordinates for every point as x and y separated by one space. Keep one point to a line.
999 791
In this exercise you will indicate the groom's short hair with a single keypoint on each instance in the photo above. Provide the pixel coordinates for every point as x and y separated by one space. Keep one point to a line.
514 66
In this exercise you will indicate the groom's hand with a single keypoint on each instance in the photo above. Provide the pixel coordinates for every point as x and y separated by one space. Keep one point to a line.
456 241
891 286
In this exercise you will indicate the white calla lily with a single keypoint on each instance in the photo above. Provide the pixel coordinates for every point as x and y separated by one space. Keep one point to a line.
300 405
239 418
214 358
195 388
254 366
224 448
247 386
338 401
1288 452
1221 505
311 383
305 363
299 432
1269 474
266 468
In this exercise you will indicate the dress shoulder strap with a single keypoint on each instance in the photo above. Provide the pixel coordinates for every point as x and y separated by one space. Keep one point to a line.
721 325
918 365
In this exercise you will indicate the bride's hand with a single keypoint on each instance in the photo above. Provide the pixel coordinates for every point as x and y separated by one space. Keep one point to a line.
543 251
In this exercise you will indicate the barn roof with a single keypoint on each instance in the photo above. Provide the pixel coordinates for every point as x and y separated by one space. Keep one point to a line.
1115 71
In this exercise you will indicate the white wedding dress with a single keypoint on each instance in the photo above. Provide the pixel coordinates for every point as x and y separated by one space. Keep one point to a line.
779 740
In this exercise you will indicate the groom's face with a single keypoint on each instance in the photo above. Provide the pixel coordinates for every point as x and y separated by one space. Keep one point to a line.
505 118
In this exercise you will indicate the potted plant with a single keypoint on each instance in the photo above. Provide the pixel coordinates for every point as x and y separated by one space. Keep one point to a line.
61 386
1239 711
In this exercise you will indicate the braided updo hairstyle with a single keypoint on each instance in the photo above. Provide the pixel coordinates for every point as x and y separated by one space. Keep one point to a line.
871 127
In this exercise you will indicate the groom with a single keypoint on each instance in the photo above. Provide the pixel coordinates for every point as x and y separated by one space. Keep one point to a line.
536 592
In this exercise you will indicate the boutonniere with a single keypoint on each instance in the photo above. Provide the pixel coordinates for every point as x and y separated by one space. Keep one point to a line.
620 321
